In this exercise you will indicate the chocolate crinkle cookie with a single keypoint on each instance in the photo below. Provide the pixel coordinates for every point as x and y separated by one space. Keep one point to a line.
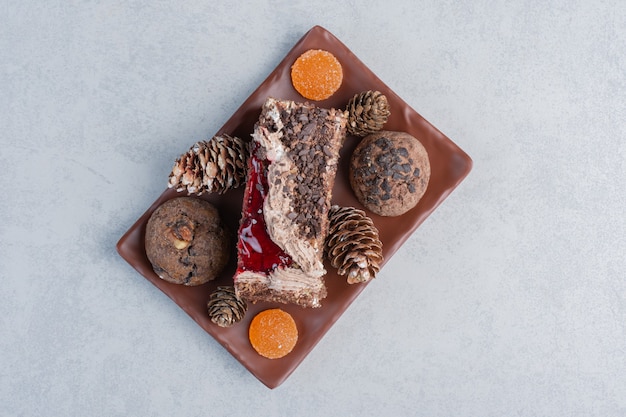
389 172
186 242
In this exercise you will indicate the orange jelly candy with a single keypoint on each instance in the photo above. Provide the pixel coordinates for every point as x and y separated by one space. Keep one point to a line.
273 333
316 74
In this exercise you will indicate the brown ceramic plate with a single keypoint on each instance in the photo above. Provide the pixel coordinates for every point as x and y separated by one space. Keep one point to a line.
449 166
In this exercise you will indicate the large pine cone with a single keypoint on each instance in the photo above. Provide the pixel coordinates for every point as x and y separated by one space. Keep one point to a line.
353 245
367 113
225 307
216 166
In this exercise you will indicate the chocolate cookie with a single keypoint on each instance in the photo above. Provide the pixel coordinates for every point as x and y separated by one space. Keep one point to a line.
186 242
389 172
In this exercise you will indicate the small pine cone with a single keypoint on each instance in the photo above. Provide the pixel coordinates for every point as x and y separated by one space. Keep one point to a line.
353 245
367 113
225 307
216 165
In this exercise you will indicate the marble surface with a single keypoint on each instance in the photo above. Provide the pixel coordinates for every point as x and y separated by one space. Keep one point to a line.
510 300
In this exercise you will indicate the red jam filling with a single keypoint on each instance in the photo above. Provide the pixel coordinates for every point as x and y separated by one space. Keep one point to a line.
257 251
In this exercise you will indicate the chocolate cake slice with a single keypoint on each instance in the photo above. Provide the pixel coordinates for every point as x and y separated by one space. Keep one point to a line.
291 171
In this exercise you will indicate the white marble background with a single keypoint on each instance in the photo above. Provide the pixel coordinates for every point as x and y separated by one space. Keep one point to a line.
510 300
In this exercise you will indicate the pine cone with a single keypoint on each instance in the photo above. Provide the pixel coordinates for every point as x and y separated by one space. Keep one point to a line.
216 165
225 307
353 245
367 113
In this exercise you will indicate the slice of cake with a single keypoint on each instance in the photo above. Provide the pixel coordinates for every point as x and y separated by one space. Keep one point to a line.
291 172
